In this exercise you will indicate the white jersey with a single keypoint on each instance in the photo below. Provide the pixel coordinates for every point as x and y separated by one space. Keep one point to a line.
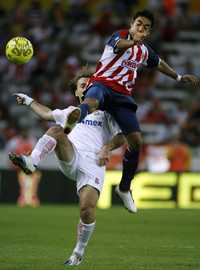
88 137
95 130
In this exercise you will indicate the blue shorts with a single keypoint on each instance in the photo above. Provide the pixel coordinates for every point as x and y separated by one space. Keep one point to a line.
121 107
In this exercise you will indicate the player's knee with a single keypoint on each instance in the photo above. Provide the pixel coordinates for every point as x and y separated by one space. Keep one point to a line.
87 213
93 103
56 132
135 140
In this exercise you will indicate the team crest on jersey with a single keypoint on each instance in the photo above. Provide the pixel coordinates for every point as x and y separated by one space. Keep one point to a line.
130 64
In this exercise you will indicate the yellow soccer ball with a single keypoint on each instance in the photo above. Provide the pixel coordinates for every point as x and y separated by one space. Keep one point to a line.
19 50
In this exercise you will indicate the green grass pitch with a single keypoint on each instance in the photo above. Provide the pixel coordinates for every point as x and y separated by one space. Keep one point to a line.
40 239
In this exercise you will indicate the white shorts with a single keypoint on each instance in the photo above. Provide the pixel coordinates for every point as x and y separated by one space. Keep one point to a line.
84 170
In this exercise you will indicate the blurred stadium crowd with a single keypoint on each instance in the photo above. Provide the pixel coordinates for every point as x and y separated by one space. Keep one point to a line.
69 34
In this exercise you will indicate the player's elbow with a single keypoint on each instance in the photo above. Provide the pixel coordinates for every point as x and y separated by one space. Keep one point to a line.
161 64
48 116
120 140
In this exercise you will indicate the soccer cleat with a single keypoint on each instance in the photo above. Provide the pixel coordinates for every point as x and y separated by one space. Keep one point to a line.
24 162
72 115
74 259
127 199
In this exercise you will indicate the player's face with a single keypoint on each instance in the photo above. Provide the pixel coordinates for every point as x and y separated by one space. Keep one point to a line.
81 87
140 29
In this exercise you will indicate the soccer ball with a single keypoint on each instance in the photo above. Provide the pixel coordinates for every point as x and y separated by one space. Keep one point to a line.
19 50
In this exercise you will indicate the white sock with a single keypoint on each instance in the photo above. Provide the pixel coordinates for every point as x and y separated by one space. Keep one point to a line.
84 232
45 145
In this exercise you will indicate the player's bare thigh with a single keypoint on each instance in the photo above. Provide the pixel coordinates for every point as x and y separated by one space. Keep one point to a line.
64 149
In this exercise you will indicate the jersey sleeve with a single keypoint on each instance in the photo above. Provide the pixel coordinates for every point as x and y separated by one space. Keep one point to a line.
59 117
113 127
11 145
114 39
152 59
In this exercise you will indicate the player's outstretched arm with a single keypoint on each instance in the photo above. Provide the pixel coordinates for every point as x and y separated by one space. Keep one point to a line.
187 78
116 142
43 111
124 44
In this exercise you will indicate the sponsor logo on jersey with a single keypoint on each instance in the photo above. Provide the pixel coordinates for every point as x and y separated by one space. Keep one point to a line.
94 123
130 64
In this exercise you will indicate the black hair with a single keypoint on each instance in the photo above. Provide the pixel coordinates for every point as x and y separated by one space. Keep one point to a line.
145 13
85 72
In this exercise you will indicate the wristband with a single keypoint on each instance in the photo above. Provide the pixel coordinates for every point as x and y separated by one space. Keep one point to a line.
178 78
29 101
26 100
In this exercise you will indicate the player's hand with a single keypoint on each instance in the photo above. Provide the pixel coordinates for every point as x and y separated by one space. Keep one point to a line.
23 99
104 156
187 78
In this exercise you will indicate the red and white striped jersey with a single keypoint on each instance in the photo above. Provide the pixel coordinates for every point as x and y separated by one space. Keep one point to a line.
118 69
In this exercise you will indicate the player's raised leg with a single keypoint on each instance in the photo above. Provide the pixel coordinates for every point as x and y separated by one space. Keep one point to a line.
94 97
88 200
127 120
67 118
53 139
130 165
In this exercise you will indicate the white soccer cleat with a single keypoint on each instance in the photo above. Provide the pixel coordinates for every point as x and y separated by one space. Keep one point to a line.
71 117
74 259
24 162
127 199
